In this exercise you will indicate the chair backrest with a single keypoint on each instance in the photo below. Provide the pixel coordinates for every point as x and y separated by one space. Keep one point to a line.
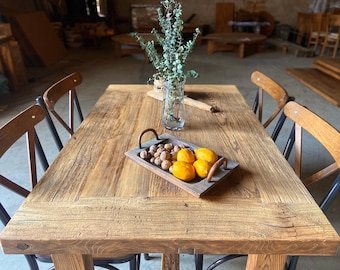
315 22
277 92
65 86
333 21
321 130
23 124
40 101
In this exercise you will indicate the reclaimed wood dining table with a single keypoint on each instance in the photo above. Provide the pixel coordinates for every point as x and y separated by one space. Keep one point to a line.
93 200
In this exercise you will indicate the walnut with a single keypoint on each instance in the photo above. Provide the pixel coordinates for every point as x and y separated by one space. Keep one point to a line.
144 154
165 155
166 164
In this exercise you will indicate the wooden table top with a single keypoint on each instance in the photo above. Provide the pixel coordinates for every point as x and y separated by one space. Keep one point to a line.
93 199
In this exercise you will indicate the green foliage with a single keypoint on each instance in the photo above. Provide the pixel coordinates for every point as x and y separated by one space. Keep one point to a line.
170 62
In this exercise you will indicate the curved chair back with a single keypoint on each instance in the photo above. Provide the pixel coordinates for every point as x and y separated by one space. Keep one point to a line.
23 124
277 92
327 136
65 86
321 130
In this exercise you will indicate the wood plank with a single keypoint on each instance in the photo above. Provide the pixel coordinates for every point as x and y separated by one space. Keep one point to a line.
330 66
12 63
38 39
321 83
224 14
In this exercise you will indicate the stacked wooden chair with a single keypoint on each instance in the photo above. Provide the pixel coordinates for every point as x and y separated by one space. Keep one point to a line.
332 36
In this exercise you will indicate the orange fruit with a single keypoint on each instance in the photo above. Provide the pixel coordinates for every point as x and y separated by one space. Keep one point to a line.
186 155
206 154
202 167
183 171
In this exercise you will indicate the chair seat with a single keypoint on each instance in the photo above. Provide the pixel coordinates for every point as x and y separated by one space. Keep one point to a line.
333 35
318 34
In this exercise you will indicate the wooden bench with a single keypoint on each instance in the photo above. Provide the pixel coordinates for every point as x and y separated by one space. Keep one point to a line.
299 51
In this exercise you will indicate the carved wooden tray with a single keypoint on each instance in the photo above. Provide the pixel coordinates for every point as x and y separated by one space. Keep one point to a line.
197 186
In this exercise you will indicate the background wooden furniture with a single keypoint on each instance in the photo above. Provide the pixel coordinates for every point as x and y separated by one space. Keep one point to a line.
322 79
144 18
39 42
332 36
244 43
135 209
126 44
224 14
317 29
11 59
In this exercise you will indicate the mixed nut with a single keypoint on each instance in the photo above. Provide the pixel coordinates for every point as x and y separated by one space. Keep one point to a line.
162 155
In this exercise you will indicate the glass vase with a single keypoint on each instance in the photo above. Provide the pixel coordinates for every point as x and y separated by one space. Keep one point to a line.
173 110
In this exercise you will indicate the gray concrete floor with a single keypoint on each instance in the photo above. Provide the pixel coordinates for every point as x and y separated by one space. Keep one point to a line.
100 67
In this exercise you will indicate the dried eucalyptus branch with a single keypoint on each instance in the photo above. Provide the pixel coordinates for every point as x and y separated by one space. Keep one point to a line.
170 62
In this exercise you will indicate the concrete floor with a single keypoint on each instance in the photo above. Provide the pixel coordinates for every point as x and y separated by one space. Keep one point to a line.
100 67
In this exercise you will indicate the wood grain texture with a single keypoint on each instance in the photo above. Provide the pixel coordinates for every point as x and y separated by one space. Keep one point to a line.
94 200
321 83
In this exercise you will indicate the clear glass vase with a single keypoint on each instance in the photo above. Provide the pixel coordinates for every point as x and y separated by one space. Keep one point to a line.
173 110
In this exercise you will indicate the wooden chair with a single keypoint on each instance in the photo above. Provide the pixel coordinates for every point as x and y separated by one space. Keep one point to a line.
316 33
331 40
324 134
65 86
40 101
24 124
277 93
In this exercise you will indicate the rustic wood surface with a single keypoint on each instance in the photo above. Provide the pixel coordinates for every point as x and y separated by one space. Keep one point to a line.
321 83
330 66
94 200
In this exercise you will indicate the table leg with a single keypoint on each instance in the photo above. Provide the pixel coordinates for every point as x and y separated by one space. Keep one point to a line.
241 50
263 261
118 49
72 262
170 261
210 47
